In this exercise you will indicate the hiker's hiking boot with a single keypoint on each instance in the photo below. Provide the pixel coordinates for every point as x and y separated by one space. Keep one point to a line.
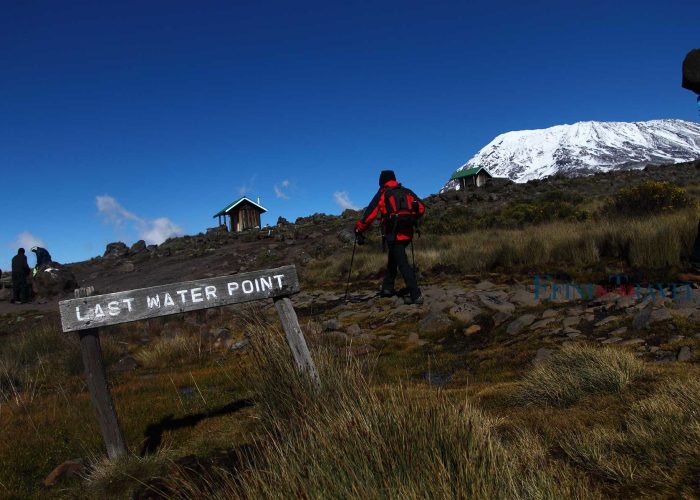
385 292
411 300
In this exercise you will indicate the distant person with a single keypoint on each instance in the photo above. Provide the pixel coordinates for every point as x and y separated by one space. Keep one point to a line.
691 81
42 256
399 208
20 273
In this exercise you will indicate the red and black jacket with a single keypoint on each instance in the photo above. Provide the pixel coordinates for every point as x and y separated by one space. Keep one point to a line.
384 203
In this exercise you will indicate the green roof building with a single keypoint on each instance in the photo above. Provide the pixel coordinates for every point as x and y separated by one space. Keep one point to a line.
242 214
475 177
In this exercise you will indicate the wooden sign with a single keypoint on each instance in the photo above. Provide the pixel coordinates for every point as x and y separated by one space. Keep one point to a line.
86 313
144 303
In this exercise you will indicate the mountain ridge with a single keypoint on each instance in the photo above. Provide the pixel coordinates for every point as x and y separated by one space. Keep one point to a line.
585 148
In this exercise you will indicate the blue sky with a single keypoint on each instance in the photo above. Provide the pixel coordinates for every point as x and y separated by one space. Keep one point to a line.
120 120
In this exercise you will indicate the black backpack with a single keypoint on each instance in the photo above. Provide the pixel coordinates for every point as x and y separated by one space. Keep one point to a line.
401 210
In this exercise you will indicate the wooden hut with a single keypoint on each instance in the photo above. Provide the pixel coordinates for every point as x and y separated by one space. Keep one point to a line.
471 177
242 214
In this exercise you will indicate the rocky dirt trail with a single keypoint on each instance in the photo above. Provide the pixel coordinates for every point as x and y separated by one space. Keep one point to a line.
485 313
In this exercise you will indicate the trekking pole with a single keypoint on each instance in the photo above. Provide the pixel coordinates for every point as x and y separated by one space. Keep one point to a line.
413 258
352 259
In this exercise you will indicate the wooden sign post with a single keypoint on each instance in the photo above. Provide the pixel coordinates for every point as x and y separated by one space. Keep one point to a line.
86 313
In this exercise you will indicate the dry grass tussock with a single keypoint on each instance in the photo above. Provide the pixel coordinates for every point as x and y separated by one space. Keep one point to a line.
354 439
576 372
121 478
656 449
164 352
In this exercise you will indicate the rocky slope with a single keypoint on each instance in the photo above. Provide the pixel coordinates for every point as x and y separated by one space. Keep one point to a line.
587 147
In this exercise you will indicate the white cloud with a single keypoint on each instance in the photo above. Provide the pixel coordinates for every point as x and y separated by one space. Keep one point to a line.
154 231
114 212
27 240
342 199
247 187
159 230
279 190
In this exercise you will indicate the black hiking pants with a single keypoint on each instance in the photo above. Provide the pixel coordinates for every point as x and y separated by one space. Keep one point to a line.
398 260
20 288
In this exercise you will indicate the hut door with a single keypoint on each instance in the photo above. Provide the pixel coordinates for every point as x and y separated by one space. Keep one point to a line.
246 218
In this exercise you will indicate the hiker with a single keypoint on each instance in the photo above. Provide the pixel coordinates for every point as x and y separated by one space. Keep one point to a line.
691 81
20 272
399 208
42 256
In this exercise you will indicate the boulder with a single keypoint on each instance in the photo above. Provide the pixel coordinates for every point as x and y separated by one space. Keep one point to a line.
68 469
658 315
684 354
346 236
472 330
465 312
138 247
524 298
496 302
500 317
606 320
239 345
542 323
435 321
116 250
642 319
571 321
516 326
53 279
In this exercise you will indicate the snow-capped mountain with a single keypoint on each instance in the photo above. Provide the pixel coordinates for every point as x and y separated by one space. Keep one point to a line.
587 147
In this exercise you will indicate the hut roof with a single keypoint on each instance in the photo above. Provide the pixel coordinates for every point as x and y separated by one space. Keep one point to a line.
468 172
243 199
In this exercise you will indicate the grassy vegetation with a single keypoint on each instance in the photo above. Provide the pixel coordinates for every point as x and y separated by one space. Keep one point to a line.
576 372
657 448
203 422
651 197
169 412
657 244
357 438
589 422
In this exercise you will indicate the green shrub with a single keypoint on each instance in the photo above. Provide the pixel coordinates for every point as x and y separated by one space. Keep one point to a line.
650 197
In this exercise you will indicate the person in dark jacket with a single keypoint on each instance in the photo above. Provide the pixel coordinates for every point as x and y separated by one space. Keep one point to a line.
399 207
42 256
20 272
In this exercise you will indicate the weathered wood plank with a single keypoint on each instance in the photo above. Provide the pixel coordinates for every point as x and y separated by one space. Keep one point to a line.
144 303
295 338
99 390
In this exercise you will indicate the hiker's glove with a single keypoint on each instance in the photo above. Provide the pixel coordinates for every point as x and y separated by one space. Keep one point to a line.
359 237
